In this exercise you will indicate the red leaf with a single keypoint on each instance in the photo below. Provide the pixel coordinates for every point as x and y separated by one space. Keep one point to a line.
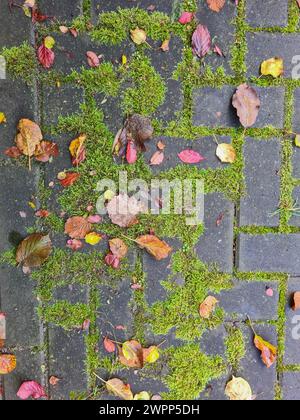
190 156
46 56
42 213
37 16
218 51
131 153
186 17
93 59
31 389
45 150
109 345
13 152
70 179
112 260
201 41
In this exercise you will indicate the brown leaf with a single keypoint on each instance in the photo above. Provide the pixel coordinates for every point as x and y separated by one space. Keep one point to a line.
131 354
45 150
123 210
118 248
268 351
109 345
53 380
29 137
207 307
296 301
157 248
216 5
247 104
34 250
77 227
226 153
8 363
119 389
93 59
13 152
139 128
165 46
201 41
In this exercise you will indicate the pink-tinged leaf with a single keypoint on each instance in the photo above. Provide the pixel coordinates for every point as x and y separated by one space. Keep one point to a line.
218 51
120 327
95 219
86 325
46 56
74 244
269 292
31 389
136 286
93 59
131 152
201 41
190 156
13 152
109 345
157 158
112 261
73 32
186 17
42 213
2 328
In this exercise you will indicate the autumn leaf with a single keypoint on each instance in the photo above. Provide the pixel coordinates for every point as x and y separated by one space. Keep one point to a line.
69 179
8 363
190 156
268 351
13 152
216 5
31 389
201 41
226 153
2 118
74 244
45 150
186 17
296 301
157 248
297 140
29 137
151 355
112 261
118 248
238 390
46 55
272 67
157 158
34 250
53 380
131 354
247 104
123 210
2 329
109 345
142 396
49 42
207 307
93 59
42 213
93 238
138 36
165 46
119 389
77 227
131 152
77 150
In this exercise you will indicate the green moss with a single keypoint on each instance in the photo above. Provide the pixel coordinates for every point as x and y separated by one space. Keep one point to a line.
65 315
239 50
21 62
235 347
190 372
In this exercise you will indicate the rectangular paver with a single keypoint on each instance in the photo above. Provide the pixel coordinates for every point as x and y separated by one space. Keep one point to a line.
265 14
291 386
292 328
62 10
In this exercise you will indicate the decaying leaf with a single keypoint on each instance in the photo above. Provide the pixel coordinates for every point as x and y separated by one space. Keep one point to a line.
8 363
247 104
139 128
216 5
31 389
273 67
77 227
138 36
92 59
238 389
142 396
13 152
190 156
118 247
74 244
157 158
268 351
45 150
29 137
109 345
151 355
34 250
157 248
112 261
296 301
226 153
132 354
2 118
69 179
77 150
186 17
131 152
53 380
207 307
165 46
119 389
123 210
201 41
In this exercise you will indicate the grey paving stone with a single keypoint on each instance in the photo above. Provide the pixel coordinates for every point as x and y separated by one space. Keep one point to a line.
292 329
269 253
213 107
262 46
291 386
67 362
222 30
295 220
215 390
262 183
215 246
29 367
156 272
14 26
62 10
213 341
16 101
20 304
73 293
296 162
261 379
250 300
296 122
264 14
206 146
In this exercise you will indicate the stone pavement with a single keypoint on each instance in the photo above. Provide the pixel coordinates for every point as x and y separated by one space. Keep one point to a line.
250 239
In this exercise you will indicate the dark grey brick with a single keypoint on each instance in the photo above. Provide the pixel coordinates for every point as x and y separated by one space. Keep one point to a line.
14 26
264 14
250 299
261 379
295 220
73 293
62 10
29 367
215 246
213 342
206 146
296 122
262 46
67 362
296 162
292 330
222 30
269 253
213 107
16 101
215 390
291 386
262 182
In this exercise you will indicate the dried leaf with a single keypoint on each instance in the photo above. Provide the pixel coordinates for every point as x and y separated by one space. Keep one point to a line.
53 380
77 227
131 354
42 213
207 307
13 152
186 17
238 390
273 67
46 56
45 150
29 136
190 156
2 329
74 244
201 41
216 5
93 238
139 129
2 118
123 210
34 250
112 261
109 345
118 248
95 219
70 179
31 389
77 150
151 355
161 145
119 389
93 59
138 36
157 248
8 363
296 301
165 46
64 29
218 51
226 153
247 104
131 152
268 351
157 158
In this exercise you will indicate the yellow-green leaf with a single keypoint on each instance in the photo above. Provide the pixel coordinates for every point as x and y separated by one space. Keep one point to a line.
49 42
119 389
2 118
297 140
142 396
273 67
93 238
238 390
151 355
138 36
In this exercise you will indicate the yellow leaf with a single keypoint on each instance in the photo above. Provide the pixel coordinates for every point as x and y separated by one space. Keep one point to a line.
2 118
8 363
272 67
142 396
226 153
124 60
138 36
49 42
108 195
32 205
151 355
165 46
297 140
76 145
238 390
119 389
93 238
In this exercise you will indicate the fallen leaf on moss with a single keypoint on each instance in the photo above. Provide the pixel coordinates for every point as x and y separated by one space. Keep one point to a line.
112 261
49 42
8 363
273 67
226 153
93 238
123 210
186 17
207 307
247 104
151 355
77 150
29 137
238 389
93 59
190 156
31 389
109 345
77 227
46 55
74 244
201 41
69 179
64 29
268 351
42 213
119 389
133 355
296 301
138 36
157 248
131 152
118 247
165 46
95 219
34 250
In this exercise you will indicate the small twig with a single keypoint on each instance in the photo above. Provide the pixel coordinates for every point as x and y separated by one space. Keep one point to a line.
251 326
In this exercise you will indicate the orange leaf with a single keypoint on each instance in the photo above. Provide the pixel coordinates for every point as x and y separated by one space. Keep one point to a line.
77 227
207 307
296 301
157 248
216 5
8 363
268 351
70 179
